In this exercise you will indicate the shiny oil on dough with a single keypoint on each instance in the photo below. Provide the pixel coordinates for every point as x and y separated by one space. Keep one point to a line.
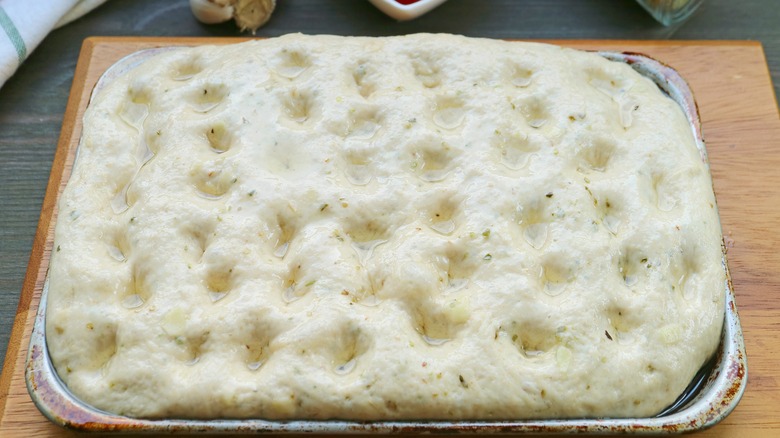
426 226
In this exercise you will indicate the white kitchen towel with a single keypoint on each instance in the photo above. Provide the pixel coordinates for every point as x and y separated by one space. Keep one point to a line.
24 24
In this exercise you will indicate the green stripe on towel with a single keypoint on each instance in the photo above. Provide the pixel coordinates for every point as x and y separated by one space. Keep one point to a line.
13 35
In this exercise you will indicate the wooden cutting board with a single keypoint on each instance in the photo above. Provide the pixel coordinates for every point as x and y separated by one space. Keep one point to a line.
742 130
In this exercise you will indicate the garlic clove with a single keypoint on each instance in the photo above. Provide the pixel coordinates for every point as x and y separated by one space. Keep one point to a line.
210 12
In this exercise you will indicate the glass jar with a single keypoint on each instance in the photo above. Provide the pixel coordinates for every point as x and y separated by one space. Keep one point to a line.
669 12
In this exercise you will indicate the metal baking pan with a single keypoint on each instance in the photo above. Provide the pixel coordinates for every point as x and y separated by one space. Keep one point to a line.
711 396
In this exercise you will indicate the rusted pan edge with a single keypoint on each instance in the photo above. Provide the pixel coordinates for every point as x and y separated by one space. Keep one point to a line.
720 394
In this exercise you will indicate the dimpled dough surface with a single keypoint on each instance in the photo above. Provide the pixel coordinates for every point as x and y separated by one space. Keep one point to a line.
426 226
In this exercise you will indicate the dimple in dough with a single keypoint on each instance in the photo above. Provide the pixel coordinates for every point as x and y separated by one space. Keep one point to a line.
428 227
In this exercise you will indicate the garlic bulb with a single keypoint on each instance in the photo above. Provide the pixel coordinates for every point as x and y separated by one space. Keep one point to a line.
248 14
251 14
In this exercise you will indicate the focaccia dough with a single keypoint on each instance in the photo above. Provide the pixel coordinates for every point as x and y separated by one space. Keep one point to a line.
427 226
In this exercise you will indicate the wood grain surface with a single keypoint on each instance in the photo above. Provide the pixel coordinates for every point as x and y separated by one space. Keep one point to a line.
741 128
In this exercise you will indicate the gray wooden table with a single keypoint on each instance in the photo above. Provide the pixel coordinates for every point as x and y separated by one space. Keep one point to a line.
32 103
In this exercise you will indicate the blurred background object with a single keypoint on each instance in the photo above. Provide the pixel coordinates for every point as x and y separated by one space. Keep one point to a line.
669 12
403 10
